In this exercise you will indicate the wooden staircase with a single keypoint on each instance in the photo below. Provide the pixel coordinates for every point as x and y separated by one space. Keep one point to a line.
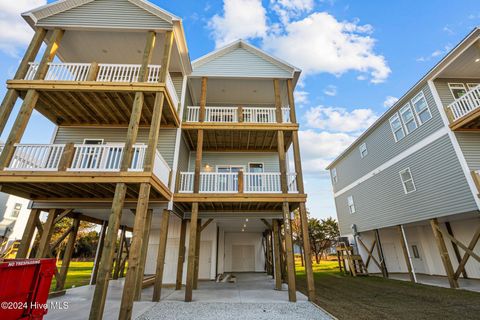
345 257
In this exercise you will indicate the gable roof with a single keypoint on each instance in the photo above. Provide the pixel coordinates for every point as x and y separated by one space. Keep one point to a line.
241 59
57 12
473 36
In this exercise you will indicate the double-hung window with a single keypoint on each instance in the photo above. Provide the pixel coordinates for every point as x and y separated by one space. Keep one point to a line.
397 127
407 181
16 210
457 89
408 118
363 150
351 204
421 108
334 175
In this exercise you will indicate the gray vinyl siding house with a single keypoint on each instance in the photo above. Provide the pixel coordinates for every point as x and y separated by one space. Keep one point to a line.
407 193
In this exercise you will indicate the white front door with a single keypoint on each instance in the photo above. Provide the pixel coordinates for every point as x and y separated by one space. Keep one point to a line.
391 258
243 258
205 260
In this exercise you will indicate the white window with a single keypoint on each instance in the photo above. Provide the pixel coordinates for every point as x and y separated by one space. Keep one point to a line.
92 141
351 205
334 175
397 127
421 108
407 180
363 150
470 86
16 210
255 167
408 118
457 89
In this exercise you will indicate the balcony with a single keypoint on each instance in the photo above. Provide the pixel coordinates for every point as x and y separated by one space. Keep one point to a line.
231 114
221 182
91 93
464 112
86 158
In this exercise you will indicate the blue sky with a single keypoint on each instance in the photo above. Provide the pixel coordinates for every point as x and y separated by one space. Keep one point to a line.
357 57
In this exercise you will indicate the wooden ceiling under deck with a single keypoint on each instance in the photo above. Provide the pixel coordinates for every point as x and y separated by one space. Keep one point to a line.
470 122
65 108
74 191
234 139
243 207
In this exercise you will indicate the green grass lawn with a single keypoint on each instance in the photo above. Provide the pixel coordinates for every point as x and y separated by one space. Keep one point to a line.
373 297
78 275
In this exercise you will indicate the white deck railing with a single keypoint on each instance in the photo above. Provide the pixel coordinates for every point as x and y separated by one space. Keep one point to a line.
105 157
264 182
225 182
231 114
161 168
107 72
61 71
38 157
466 103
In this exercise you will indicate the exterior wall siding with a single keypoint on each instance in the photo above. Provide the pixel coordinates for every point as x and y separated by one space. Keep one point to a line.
177 80
444 91
166 139
441 190
106 14
382 147
470 144
269 160
241 63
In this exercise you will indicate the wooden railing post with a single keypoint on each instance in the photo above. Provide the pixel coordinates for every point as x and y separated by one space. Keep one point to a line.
67 157
93 72
240 113
241 178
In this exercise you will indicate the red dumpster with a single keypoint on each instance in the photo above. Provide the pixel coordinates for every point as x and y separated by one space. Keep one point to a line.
24 287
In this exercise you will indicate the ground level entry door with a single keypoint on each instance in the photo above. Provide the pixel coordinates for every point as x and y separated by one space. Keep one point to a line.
205 262
243 258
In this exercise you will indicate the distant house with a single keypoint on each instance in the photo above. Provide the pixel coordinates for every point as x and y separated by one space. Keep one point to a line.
411 180
14 214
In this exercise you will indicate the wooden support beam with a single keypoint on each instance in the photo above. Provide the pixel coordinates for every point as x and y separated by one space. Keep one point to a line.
98 253
369 251
380 254
442 248
291 101
203 100
276 250
206 224
118 259
181 255
197 255
406 254
162 248
61 215
455 248
143 257
28 233
132 286
268 225
198 162
167 53
290 258
106 261
49 54
307 252
60 239
191 252
278 100
67 255
43 245
12 95
282 161
67 157
154 132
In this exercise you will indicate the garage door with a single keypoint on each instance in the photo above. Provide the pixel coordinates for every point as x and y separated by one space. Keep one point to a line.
243 258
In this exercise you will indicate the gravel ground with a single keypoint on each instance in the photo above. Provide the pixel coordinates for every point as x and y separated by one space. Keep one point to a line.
173 310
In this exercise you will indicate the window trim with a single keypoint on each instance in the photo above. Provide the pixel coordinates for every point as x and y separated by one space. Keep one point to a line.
415 99
472 85
263 166
452 84
363 145
352 205
404 110
334 175
396 115
229 166
404 181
